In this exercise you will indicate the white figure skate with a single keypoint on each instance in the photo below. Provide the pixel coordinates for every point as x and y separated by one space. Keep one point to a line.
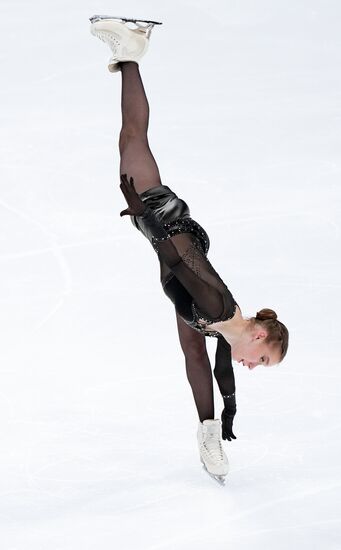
211 451
126 43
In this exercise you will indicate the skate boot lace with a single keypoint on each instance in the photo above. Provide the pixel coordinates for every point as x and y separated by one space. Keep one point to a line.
213 446
109 38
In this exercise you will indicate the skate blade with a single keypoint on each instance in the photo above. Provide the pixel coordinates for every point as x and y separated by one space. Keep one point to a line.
220 479
96 18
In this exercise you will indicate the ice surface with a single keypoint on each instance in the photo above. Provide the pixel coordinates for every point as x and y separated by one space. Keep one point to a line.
97 424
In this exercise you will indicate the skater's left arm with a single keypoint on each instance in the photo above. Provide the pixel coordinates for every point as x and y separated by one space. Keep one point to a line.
209 293
223 372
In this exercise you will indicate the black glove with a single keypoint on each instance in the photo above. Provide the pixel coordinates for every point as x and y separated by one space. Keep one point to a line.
135 204
227 416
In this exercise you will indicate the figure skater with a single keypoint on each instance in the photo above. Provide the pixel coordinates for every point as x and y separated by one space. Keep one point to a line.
204 305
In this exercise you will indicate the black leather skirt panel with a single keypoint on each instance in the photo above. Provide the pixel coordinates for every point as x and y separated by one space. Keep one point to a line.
173 212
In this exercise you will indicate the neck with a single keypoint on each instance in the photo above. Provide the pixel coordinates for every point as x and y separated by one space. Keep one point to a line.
234 328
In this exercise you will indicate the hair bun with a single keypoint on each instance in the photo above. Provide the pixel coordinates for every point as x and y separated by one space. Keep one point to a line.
266 315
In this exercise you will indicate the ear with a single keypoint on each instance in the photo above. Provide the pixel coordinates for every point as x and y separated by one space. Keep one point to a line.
259 333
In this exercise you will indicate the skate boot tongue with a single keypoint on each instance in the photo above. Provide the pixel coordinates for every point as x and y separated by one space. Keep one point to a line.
211 426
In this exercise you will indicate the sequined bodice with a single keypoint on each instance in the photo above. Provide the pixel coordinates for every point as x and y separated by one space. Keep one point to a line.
200 323
200 296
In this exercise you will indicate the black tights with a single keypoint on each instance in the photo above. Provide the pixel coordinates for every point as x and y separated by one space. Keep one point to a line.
138 162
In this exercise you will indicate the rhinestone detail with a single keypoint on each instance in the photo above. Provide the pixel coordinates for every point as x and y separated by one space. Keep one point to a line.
184 225
197 317
188 225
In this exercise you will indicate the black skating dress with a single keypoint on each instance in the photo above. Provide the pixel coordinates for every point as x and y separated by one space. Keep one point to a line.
198 293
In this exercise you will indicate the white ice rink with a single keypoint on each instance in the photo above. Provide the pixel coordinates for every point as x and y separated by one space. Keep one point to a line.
97 421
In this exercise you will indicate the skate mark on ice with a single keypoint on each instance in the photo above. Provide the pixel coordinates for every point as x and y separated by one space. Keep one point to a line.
220 524
9 403
261 454
51 249
33 84
57 253
277 216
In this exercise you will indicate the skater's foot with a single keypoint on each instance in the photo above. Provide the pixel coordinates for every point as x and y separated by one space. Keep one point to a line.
211 451
126 44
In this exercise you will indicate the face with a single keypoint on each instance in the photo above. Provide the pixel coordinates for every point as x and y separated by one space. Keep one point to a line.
252 350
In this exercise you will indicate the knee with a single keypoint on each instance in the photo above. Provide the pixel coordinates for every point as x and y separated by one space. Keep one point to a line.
196 355
192 343
125 137
131 134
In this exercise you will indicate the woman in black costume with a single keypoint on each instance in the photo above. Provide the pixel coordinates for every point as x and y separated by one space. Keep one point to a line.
204 305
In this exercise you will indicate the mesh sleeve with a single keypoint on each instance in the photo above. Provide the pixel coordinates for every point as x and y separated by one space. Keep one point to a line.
223 369
185 258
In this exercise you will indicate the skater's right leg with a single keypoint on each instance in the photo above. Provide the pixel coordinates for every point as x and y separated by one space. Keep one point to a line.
137 160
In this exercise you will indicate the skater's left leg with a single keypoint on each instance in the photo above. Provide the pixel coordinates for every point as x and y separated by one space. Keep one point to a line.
198 368
137 160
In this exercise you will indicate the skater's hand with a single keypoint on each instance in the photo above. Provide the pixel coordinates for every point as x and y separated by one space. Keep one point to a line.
227 422
135 204
227 417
